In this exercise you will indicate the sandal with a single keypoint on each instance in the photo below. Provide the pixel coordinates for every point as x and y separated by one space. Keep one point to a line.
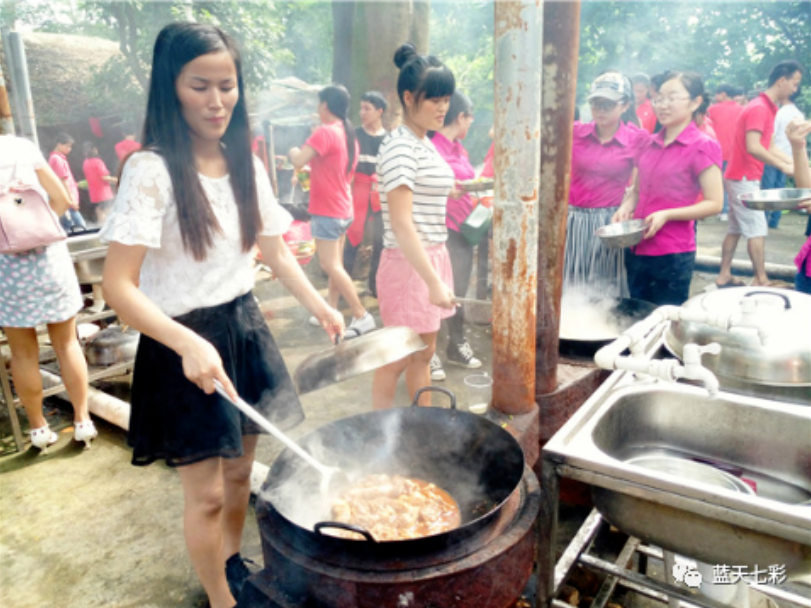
43 438
730 283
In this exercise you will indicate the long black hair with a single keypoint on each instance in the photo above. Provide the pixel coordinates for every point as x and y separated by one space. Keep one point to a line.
424 76
337 99
167 133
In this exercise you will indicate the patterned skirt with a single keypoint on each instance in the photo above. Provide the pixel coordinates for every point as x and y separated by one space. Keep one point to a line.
38 286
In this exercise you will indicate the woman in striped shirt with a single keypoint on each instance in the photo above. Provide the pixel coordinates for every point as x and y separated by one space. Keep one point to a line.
414 281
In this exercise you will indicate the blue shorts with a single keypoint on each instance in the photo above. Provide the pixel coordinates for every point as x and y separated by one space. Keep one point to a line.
328 228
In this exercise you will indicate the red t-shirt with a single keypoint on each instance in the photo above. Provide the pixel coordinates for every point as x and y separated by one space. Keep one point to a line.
758 115
724 116
646 116
330 193
94 171
125 147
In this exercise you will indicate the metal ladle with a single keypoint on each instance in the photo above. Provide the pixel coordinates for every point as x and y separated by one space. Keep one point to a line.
327 473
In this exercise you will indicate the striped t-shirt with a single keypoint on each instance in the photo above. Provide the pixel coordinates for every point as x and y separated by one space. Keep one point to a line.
406 160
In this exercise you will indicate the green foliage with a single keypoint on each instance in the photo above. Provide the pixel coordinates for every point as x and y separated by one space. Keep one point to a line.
113 86
733 42
307 39
462 37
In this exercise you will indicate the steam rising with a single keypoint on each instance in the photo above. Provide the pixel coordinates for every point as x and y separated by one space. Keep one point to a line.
587 314
478 465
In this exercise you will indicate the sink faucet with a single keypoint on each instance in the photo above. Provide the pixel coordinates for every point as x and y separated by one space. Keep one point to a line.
693 370
610 356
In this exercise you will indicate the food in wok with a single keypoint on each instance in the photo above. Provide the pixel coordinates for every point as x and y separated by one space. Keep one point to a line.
391 507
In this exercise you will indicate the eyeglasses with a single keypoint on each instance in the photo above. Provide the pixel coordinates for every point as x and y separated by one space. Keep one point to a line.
605 105
668 101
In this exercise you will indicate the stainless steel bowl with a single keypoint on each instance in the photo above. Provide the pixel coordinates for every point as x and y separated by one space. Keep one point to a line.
622 234
784 199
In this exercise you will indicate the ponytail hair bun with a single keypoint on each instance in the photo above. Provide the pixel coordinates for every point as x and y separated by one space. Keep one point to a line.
404 54
424 76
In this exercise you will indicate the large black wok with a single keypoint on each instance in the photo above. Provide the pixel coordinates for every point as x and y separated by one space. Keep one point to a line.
622 312
474 460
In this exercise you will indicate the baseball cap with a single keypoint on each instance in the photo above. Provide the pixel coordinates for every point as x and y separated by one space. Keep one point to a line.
611 86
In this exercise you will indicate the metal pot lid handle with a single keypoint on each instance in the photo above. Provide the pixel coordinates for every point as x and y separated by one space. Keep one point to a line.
770 293
437 389
321 525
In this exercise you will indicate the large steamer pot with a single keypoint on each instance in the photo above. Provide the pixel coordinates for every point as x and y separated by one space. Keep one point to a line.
477 462
622 313
767 346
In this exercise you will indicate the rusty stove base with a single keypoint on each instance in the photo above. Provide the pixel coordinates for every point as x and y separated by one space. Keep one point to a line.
492 576
578 379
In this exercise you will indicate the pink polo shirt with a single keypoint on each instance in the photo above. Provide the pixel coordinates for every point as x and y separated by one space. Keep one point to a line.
59 163
758 115
454 153
668 179
803 256
601 172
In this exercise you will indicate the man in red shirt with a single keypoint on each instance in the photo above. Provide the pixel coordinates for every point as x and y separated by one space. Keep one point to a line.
128 145
724 114
58 161
644 109
750 151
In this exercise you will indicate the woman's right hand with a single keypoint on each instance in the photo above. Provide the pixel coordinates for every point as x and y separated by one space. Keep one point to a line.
202 365
441 295
625 212
797 131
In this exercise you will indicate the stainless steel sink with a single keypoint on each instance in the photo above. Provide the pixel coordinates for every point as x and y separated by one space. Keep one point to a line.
766 443
88 254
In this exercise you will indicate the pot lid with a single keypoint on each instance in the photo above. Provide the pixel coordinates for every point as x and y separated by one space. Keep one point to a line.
354 357
769 339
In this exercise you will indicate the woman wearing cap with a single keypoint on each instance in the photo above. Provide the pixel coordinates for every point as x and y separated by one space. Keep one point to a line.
604 155
678 182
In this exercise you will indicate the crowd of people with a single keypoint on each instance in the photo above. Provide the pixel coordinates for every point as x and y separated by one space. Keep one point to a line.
655 150
193 202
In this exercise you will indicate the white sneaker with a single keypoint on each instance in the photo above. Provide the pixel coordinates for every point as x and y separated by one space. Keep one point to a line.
314 322
437 373
358 327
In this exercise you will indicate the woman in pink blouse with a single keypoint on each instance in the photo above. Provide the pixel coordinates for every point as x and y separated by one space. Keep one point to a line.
448 142
604 155
680 164
796 132
98 181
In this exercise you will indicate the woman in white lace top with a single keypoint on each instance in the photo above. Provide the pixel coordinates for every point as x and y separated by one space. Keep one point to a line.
189 210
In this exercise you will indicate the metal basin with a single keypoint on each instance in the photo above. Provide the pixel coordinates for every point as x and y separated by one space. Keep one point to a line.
766 444
88 254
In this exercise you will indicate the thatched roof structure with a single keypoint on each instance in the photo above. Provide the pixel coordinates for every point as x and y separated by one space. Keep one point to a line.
60 66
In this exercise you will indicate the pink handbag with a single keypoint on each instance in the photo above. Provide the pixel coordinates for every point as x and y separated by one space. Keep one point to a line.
26 220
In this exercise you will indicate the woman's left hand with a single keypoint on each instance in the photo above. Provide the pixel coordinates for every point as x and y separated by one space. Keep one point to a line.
332 321
655 221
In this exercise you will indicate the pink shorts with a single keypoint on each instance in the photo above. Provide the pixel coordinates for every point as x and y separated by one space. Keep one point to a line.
402 295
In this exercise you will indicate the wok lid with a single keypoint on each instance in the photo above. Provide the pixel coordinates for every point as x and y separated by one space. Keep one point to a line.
354 357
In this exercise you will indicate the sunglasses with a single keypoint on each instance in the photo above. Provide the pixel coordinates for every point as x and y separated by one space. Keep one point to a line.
605 105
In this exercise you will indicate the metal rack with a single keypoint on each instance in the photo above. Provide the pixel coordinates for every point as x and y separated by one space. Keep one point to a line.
620 572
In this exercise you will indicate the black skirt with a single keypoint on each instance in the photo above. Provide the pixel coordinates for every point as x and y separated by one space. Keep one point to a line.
174 420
